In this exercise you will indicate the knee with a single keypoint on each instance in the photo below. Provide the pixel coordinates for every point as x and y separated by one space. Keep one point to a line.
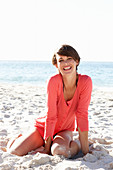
57 149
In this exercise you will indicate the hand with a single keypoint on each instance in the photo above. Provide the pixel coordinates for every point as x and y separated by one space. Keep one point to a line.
46 149
83 136
40 150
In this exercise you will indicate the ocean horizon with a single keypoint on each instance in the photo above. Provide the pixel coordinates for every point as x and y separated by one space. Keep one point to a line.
37 72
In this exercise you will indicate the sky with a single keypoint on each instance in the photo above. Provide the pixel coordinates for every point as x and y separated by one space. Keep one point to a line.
33 29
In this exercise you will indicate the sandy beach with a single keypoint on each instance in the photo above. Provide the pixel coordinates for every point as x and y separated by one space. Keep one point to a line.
21 104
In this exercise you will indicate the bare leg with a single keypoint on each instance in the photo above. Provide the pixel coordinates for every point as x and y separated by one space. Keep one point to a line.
24 144
63 144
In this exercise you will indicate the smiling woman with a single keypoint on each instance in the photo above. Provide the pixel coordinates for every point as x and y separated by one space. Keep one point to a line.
68 98
66 50
66 59
66 64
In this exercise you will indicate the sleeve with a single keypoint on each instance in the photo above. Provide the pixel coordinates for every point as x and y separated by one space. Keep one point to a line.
83 104
51 117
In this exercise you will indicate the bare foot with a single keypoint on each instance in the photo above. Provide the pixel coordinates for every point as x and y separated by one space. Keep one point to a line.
11 141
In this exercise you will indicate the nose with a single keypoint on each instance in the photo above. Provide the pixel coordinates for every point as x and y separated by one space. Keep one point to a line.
66 62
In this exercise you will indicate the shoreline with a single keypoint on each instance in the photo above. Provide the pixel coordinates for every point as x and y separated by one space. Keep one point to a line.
22 103
106 88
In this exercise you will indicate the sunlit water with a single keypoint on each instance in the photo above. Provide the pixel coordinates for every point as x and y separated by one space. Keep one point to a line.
36 72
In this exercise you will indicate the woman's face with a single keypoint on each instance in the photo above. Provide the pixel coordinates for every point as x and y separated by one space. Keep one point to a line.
66 64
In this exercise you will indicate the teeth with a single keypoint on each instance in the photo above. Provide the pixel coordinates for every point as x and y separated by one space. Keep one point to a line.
67 68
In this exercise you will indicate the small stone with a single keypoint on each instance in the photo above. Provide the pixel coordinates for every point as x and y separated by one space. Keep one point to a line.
6 116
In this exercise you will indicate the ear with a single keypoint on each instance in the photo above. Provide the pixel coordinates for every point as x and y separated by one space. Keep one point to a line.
77 62
56 65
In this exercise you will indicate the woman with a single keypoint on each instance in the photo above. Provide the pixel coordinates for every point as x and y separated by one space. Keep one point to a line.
68 98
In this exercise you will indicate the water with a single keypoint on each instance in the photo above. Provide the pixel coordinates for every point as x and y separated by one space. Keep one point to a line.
37 72
30 72
100 72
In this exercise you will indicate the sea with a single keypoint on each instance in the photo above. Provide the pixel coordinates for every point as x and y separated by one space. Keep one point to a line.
37 72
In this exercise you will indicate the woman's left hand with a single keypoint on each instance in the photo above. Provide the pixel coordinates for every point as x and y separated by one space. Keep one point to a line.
44 149
40 150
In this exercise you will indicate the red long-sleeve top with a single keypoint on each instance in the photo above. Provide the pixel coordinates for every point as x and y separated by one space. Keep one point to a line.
61 114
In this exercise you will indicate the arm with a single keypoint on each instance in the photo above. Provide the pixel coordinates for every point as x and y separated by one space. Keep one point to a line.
51 117
82 113
83 104
83 137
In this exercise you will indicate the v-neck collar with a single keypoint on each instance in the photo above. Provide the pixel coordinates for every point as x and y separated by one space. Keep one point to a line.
68 103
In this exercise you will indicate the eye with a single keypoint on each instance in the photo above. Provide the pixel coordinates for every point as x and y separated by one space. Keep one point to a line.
69 58
60 60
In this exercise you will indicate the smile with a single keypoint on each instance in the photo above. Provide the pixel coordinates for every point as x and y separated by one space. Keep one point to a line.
67 68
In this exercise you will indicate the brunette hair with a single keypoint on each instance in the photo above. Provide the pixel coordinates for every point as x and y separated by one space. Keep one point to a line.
66 50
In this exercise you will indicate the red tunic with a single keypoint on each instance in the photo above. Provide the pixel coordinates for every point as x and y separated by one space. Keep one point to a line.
61 114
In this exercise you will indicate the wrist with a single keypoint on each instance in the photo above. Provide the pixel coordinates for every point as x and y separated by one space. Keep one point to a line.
85 150
48 140
48 144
